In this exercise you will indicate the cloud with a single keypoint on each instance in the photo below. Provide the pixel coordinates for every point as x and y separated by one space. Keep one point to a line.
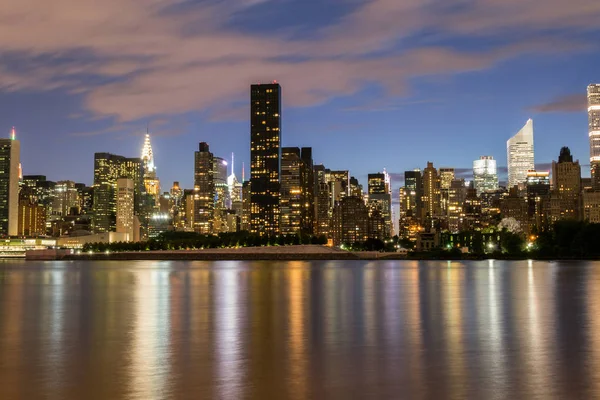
131 60
565 103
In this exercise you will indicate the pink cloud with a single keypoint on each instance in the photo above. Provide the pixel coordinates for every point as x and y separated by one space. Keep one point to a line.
154 66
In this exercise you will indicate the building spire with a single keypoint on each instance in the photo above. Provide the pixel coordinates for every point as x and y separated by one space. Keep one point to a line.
232 168
147 155
243 173
13 133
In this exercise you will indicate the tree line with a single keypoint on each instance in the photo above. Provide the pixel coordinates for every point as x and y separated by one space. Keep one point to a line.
173 240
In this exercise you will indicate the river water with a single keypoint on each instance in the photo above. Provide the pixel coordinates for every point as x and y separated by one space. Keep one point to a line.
299 330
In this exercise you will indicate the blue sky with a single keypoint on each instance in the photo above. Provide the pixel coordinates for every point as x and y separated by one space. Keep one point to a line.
368 84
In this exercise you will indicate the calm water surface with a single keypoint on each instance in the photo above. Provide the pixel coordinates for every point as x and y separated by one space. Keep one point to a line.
299 330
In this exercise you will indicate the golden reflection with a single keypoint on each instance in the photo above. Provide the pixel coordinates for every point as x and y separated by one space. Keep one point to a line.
491 324
593 313
149 365
230 374
11 336
298 302
454 323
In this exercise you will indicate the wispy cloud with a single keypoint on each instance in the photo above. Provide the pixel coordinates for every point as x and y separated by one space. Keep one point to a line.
131 60
565 103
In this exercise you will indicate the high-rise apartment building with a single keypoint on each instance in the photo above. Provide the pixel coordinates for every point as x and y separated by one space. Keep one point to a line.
538 201
380 201
125 208
265 147
566 183
339 185
456 199
350 221
32 215
66 198
204 190
446 177
485 174
107 169
322 203
520 156
593 102
10 153
297 191
431 193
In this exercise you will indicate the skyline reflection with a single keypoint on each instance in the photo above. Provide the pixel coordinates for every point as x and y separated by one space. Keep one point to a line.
389 329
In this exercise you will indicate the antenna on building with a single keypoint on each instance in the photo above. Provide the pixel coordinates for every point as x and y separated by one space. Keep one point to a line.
243 173
232 169
13 133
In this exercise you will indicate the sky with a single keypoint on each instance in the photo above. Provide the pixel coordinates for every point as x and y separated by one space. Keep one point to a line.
368 84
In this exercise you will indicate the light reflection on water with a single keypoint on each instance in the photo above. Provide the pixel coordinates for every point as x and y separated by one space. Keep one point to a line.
297 330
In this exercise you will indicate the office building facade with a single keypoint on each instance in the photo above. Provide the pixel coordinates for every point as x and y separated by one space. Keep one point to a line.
265 155
520 155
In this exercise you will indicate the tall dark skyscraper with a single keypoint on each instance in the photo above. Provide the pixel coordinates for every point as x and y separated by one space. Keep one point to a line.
107 169
265 148
9 185
204 190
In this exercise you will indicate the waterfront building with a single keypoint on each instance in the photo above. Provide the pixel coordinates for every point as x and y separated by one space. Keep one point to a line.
485 174
520 155
10 153
32 215
204 190
350 221
265 147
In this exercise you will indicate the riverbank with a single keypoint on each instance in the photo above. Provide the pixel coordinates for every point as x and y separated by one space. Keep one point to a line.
283 253
276 253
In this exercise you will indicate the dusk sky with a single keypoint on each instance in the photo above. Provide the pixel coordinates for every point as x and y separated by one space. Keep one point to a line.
366 84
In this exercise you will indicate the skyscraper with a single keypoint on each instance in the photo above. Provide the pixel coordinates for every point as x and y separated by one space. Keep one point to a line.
538 201
566 182
151 182
265 146
222 198
321 199
350 221
519 154
107 169
485 174
10 153
431 193
125 206
380 201
204 190
297 188
593 98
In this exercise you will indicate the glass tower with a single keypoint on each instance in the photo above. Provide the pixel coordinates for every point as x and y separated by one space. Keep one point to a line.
485 174
519 154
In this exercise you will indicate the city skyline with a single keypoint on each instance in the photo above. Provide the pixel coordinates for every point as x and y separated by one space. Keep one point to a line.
464 78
